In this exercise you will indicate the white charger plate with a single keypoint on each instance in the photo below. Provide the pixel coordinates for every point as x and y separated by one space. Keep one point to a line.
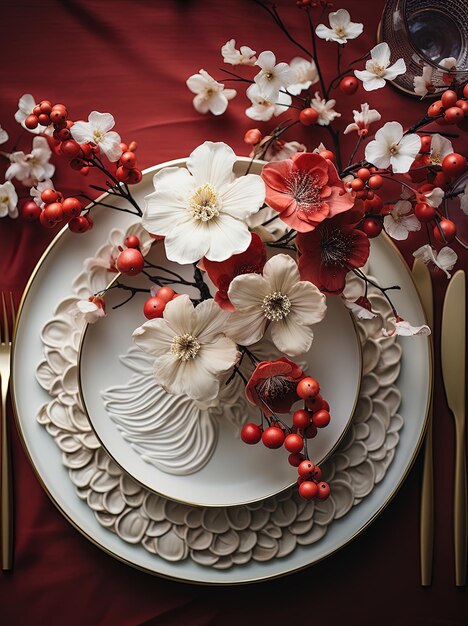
51 282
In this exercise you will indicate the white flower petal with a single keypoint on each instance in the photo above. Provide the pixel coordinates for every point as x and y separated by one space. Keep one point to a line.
290 337
248 290
399 67
381 54
228 236
246 327
281 273
212 163
308 303
244 196
81 132
154 336
187 242
101 121
219 356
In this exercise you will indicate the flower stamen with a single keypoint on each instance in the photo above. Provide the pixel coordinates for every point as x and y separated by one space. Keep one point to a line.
204 204
185 347
276 306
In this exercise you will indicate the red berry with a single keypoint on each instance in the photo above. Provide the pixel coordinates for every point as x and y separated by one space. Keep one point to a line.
328 154
314 404
132 146
321 418
132 241
301 418
307 388
295 459
310 432
348 85
306 469
122 174
317 474
449 98
454 115
63 134
31 211
90 222
252 137
31 122
46 221
426 141
50 195
251 434
54 211
70 149
325 406
323 491
308 116
462 104
123 146
372 227
375 181
77 164
78 224
441 180
465 91
363 173
128 159
308 490
374 204
130 262
357 184
36 111
72 207
424 212
58 116
154 307
45 106
436 108
293 443
273 437
84 171
448 229
43 119
454 164
86 150
134 176
166 294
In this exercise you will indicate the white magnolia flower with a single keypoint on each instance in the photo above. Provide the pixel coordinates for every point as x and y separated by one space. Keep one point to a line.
279 298
244 56
97 130
440 147
325 110
362 120
434 198
33 167
90 310
201 210
26 105
210 95
445 259
272 77
190 347
341 27
8 200
464 200
392 147
3 135
262 109
404 329
401 221
304 75
378 68
36 191
423 84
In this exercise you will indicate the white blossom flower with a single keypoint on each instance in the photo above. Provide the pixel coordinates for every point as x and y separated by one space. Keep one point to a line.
325 110
423 84
262 109
280 299
97 130
440 147
210 95
33 167
341 27
378 68
3 135
464 200
201 210
449 63
244 56
362 120
26 105
272 76
392 147
90 310
191 349
434 198
37 190
401 221
445 259
403 328
8 200
280 150
304 75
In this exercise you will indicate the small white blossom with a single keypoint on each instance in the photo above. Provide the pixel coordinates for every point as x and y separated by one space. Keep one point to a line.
210 95
400 222
341 27
434 198
36 191
464 200
378 68
362 120
440 147
272 76
445 259
26 105
8 200
403 328
3 135
449 63
325 110
262 109
33 167
304 75
90 310
423 84
244 56
392 147
97 130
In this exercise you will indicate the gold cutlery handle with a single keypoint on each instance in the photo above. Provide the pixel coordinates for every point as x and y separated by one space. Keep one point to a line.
460 514
6 504
426 532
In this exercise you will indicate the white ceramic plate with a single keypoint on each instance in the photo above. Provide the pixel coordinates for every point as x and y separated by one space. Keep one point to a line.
51 283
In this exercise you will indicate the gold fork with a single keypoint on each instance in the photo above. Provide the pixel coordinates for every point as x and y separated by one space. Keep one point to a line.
6 476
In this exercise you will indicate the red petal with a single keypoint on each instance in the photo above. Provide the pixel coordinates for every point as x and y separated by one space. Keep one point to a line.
276 174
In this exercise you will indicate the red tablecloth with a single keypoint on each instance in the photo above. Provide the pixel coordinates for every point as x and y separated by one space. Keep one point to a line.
132 58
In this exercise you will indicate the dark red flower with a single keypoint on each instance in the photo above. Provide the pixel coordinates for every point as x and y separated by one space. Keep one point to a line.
223 272
331 250
305 190
272 386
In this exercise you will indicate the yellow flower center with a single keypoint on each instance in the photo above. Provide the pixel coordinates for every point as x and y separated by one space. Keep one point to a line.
185 347
97 136
340 31
394 149
436 158
268 75
379 70
204 203
276 306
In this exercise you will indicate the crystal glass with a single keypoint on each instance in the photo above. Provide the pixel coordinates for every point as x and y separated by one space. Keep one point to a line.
424 32
454 212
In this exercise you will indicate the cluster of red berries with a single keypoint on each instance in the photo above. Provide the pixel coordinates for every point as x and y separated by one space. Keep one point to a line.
126 172
154 306
130 260
450 109
57 209
365 184
306 421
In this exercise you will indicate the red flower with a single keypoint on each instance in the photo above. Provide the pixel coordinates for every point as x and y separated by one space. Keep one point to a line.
305 189
331 250
223 272
273 384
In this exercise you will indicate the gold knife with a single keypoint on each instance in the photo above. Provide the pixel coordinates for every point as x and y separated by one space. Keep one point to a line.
422 278
454 373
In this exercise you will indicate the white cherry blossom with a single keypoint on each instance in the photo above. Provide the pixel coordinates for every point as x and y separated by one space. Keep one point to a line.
464 200
378 68
190 348
445 259
304 75
434 198
325 110
440 147
90 310
8 200
244 56
341 27
262 109
401 327
278 299
362 120
26 105
202 210
392 147
449 63
401 221
97 130
423 84
33 167
3 135
210 95
272 76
